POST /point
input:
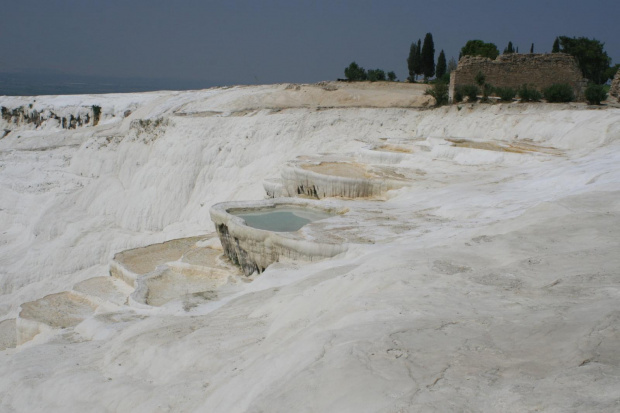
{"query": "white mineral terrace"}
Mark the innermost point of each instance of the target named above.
(255, 249)
(340, 176)
(178, 269)
(486, 280)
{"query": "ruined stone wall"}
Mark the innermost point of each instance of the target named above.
(513, 70)
(615, 86)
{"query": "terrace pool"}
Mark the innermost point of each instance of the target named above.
(280, 219)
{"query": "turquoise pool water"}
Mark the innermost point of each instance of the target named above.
(285, 219)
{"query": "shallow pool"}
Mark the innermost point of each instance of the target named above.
(285, 219)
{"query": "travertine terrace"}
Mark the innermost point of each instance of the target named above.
(487, 281)
(255, 249)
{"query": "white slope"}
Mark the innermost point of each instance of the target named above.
(490, 284)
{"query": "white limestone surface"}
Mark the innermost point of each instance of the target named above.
(489, 284)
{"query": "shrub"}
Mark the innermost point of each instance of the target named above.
(559, 93)
(458, 94)
(446, 78)
(595, 94)
(529, 95)
(440, 92)
(471, 92)
(506, 94)
(391, 76)
(96, 114)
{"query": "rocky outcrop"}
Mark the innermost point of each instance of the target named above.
(27, 115)
(615, 86)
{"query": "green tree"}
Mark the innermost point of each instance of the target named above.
(532, 48)
(486, 88)
(593, 60)
(428, 56)
(391, 76)
(509, 48)
(556, 46)
(418, 59)
(480, 48)
(355, 72)
(375, 75)
(411, 62)
(442, 66)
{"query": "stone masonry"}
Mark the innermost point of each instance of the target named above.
(615, 86)
(514, 70)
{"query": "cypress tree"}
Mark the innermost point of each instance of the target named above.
(556, 46)
(411, 62)
(532, 48)
(441, 65)
(509, 48)
(417, 63)
(428, 56)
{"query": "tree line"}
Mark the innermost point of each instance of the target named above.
(355, 72)
(593, 60)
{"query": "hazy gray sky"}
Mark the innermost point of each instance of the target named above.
(245, 41)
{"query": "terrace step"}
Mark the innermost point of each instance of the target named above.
(8, 334)
(52, 312)
(184, 268)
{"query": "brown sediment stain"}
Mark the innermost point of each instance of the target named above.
(519, 147)
(394, 148)
(201, 114)
(354, 170)
(344, 169)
